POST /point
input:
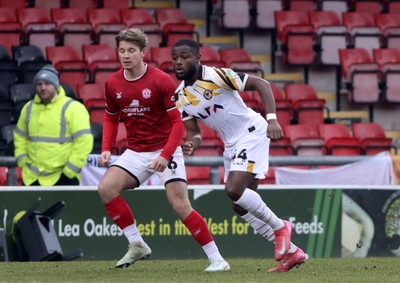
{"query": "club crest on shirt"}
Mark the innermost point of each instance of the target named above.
(146, 93)
(207, 94)
(134, 103)
(119, 95)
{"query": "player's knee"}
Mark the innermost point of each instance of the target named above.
(106, 191)
(233, 192)
(181, 207)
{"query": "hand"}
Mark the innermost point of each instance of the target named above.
(274, 131)
(104, 158)
(159, 164)
(187, 148)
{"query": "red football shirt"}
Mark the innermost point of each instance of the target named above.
(142, 104)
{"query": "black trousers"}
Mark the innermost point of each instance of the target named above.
(63, 181)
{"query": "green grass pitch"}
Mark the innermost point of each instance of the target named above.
(243, 270)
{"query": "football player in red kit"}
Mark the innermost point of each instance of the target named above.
(142, 96)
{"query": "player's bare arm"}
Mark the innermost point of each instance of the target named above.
(263, 88)
(193, 137)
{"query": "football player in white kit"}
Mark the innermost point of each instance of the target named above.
(210, 95)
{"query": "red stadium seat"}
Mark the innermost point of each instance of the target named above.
(142, 18)
(367, 6)
(305, 139)
(284, 110)
(162, 57)
(173, 32)
(3, 175)
(96, 108)
(388, 60)
(295, 92)
(13, 5)
(281, 147)
(331, 35)
(38, 27)
(297, 37)
(67, 61)
(363, 30)
(137, 16)
(210, 57)
(73, 27)
(48, 5)
(106, 23)
(210, 137)
(11, 34)
(361, 75)
(309, 109)
(211, 144)
(7, 15)
(338, 139)
(393, 6)
(238, 59)
(174, 25)
(198, 175)
(87, 92)
(165, 16)
(120, 4)
(82, 5)
(102, 61)
(372, 137)
(390, 28)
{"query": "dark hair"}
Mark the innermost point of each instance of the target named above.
(194, 45)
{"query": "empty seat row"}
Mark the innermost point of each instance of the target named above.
(100, 60)
(71, 26)
(333, 139)
(307, 38)
(370, 6)
(370, 79)
(243, 14)
(80, 4)
(295, 103)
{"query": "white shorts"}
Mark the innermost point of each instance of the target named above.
(137, 164)
(249, 154)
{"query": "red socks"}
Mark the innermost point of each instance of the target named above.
(198, 227)
(122, 215)
(120, 212)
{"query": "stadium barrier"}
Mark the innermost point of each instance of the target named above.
(328, 221)
(215, 161)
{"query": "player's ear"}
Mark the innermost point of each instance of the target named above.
(143, 52)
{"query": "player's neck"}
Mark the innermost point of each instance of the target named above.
(135, 73)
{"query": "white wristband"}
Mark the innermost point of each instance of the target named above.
(271, 116)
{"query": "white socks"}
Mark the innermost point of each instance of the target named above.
(253, 203)
(261, 227)
(131, 232)
(212, 252)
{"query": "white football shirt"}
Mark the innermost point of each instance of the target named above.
(214, 99)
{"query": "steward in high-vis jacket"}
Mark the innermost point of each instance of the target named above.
(52, 138)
